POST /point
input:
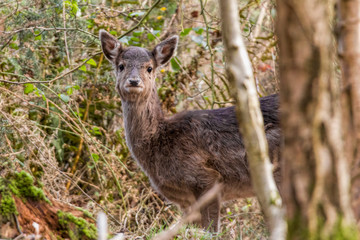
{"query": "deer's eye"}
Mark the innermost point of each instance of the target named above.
(121, 67)
(149, 69)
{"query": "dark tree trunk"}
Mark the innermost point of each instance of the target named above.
(316, 183)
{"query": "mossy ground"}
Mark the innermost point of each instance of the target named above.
(76, 227)
(7, 203)
(22, 185)
(20, 196)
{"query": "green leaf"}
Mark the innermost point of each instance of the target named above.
(38, 37)
(137, 33)
(14, 46)
(174, 65)
(198, 30)
(151, 37)
(67, 3)
(91, 23)
(135, 39)
(29, 88)
(91, 62)
(185, 32)
(69, 91)
(64, 97)
(95, 131)
(38, 34)
(113, 32)
(83, 68)
(75, 9)
(95, 157)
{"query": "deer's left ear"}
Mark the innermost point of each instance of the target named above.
(165, 50)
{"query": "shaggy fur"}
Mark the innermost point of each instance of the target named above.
(186, 154)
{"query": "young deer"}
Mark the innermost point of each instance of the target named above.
(183, 155)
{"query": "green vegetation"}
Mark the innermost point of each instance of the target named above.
(22, 185)
(76, 227)
(86, 212)
(7, 204)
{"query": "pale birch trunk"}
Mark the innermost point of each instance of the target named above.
(241, 78)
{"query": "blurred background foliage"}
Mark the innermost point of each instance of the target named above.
(61, 119)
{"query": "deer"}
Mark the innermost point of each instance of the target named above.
(184, 155)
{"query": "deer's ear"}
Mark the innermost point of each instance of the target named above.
(165, 50)
(110, 45)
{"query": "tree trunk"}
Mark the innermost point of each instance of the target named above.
(241, 78)
(316, 183)
(349, 54)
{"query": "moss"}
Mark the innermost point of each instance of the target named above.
(86, 212)
(7, 203)
(76, 227)
(22, 185)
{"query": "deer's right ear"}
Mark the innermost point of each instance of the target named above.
(110, 45)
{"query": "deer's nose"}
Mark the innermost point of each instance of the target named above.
(134, 82)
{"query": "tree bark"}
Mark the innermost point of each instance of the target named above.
(349, 54)
(316, 183)
(241, 78)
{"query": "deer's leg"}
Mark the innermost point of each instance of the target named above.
(210, 215)
(196, 220)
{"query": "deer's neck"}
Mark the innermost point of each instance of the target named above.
(141, 120)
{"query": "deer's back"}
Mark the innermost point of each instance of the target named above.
(192, 150)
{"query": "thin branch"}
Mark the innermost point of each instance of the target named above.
(49, 29)
(31, 80)
(260, 20)
(211, 53)
(65, 39)
(142, 19)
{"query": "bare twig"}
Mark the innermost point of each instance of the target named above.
(211, 53)
(142, 19)
(168, 28)
(65, 39)
(31, 80)
(260, 20)
(49, 29)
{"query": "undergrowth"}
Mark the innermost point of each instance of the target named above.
(61, 123)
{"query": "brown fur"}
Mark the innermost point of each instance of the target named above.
(186, 154)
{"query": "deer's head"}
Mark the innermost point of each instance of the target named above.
(135, 67)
